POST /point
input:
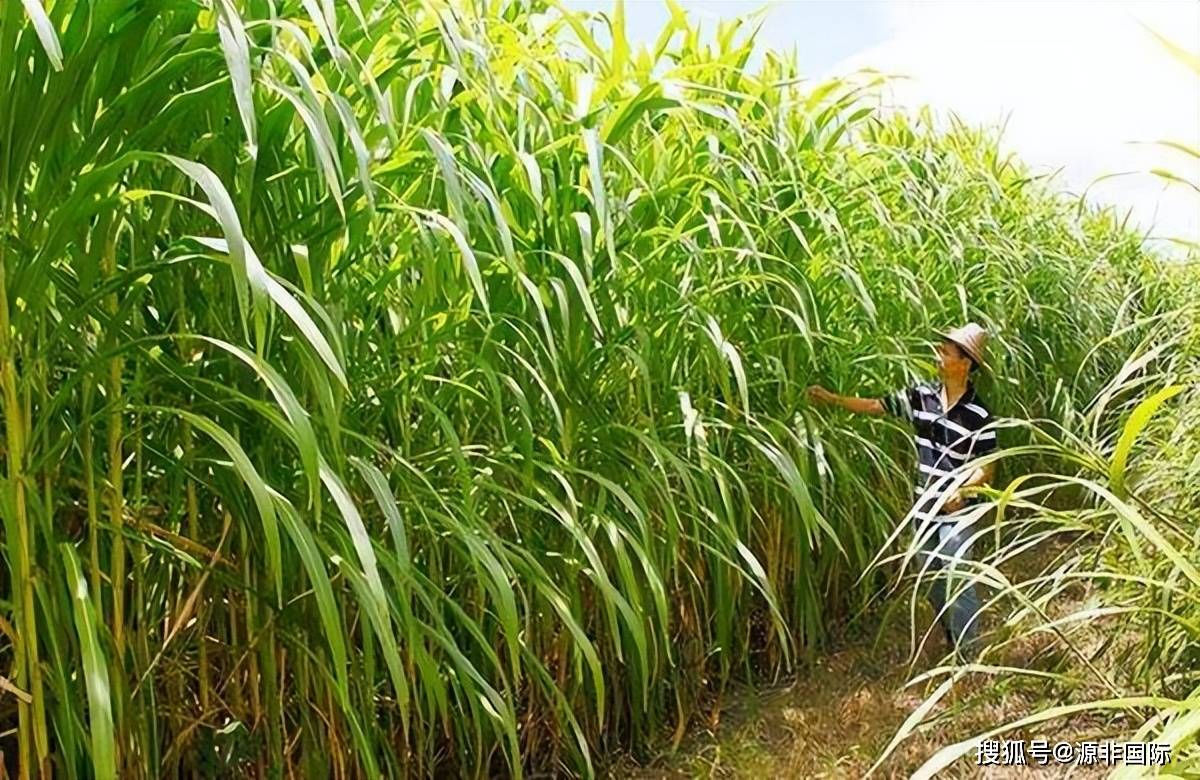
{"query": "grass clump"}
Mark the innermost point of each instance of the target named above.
(409, 390)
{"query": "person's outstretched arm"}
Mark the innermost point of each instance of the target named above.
(872, 406)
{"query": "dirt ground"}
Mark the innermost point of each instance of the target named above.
(835, 719)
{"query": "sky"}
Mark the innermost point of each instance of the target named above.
(1080, 86)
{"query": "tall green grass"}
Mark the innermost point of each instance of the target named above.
(417, 389)
(1115, 498)
(1113, 608)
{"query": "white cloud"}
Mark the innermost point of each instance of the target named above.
(1080, 83)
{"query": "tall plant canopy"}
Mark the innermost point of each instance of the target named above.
(409, 388)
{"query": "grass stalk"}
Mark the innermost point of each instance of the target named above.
(31, 724)
(115, 389)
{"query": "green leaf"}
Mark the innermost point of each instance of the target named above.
(265, 283)
(445, 162)
(1138, 419)
(318, 578)
(95, 669)
(259, 490)
(223, 210)
(306, 439)
(236, 48)
(45, 31)
(470, 264)
(622, 121)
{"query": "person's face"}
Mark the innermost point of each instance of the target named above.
(952, 360)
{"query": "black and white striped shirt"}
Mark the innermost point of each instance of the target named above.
(945, 440)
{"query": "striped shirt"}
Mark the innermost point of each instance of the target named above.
(945, 440)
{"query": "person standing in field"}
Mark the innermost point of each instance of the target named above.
(949, 422)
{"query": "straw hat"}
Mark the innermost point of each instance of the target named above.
(972, 338)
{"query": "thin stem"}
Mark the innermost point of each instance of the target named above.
(31, 717)
(193, 523)
(87, 447)
(115, 463)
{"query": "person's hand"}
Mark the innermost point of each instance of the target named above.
(954, 502)
(819, 395)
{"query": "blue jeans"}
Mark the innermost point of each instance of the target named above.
(944, 546)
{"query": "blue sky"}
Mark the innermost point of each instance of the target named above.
(1080, 86)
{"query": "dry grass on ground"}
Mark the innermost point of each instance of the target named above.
(837, 717)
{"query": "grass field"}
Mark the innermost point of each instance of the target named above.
(418, 389)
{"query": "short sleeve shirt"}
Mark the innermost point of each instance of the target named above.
(946, 440)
